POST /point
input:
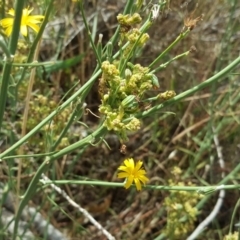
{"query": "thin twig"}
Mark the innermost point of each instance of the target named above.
(82, 210)
(25, 117)
(221, 196)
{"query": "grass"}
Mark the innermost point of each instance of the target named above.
(189, 143)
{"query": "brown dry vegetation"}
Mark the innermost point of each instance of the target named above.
(166, 140)
(132, 215)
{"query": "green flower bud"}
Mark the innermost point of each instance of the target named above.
(109, 50)
(144, 39)
(155, 82)
(128, 101)
(134, 19)
(128, 73)
(129, 64)
(129, 19)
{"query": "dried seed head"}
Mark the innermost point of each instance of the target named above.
(191, 22)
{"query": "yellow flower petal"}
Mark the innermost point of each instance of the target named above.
(123, 168)
(129, 163)
(138, 184)
(133, 173)
(143, 179)
(6, 22)
(34, 27)
(8, 31)
(128, 182)
(35, 19)
(23, 30)
(26, 21)
(138, 165)
(11, 12)
(141, 172)
(122, 175)
(27, 11)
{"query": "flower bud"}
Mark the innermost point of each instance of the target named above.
(128, 101)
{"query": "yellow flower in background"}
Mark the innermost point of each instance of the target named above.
(27, 21)
(133, 173)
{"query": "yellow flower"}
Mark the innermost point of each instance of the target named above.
(133, 173)
(27, 21)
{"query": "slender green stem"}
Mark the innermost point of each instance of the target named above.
(164, 65)
(30, 191)
(2, 10)
(36, 40)
(127, 9)
(191, 91)
(16, 26)
(234, 215)
(146, 113)
(69, 123)
(89, 34)
(176, 41)
(91, 139)
(223, 181)
(82, 91)
(144, 28)
(5, 50)
(30, 155)
(8, 65)
(88, 85)
(146, 24)
(34, 64)
(41, 30)
(199, 189)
